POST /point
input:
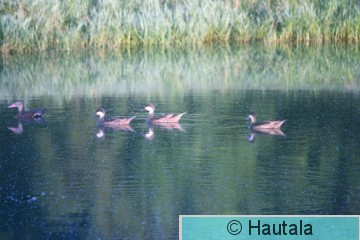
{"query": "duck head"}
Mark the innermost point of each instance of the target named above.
(100, 112)
(150, 108)
(251, 117)
(18, 104)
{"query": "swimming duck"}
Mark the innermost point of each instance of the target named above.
(165, 118)
(263, 125)
(112, 122)
(30, 114)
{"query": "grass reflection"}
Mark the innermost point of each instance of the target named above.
(168, 73)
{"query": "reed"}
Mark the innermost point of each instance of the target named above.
(28, 26)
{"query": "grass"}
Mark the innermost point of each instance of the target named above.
(68, 26)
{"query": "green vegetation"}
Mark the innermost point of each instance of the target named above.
(170, 72)
(42, 25)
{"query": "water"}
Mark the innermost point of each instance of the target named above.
(66, 178)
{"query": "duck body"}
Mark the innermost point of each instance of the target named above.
(273, 124)
(267, 125)
(112, 122)
(164, 118)
(115, 121)
(30, 114)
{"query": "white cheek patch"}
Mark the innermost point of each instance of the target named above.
(252, 118)
(149, 109)
(100, 114)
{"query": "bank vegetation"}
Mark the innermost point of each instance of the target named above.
(70, 25)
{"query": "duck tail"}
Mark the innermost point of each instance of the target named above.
(282, 122)
(130, 119)
(181, 114)
(39, 112)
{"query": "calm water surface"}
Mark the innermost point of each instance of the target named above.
(66, 178)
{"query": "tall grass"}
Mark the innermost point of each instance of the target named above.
(40, 25)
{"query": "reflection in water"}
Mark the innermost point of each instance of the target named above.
(245, 68)
(122, 127)
(19, 129)
(264, 126)
(150, 133)
(169, 126)
(114, 123)
(100, 134)
(59, 181)
(166, 126)
(275, 131)
(72, 184)
(268, 127)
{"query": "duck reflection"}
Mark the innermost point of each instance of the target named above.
(268, 127)
(275, 131)
(20, 129)
(165, 126)
(17, 130)
(125, 128)
(115, 123)
(169, 126)
(100, 134)
(150, 134)
(101, 130)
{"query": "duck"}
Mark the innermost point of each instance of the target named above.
(112, 122)
(260, 126)
(165, 118)
(30, 114)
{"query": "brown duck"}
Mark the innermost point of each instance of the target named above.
(112, 122)
(30, 114)
(165, 118)
(273, 124)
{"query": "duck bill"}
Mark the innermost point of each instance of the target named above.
(13, 105)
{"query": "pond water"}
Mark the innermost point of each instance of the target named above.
(67, 178)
